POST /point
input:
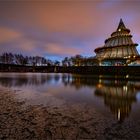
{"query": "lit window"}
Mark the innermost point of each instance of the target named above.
(119, 30)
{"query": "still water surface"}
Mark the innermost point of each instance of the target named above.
(116, 101)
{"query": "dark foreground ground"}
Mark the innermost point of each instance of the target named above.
(21, 121)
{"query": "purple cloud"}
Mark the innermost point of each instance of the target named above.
(63, 28)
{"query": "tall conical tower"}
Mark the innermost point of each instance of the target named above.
(119, 49)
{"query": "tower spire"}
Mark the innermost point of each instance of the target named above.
(121, 25)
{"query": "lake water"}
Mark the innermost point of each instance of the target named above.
(88, 107)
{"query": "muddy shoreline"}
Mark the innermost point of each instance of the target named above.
(20, 120)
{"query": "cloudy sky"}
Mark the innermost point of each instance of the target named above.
(59, 28)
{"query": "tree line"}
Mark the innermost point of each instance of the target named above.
(19, 59)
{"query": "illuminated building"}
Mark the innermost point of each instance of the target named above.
(119, 49)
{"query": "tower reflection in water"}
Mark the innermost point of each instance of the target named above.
(118, 94)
